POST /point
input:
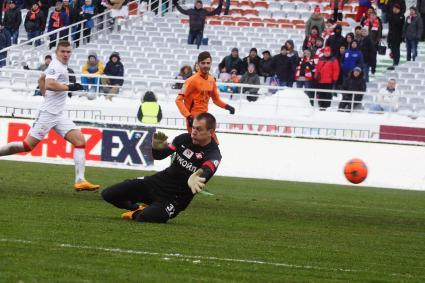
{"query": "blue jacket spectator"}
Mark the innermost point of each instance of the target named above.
(353, 57)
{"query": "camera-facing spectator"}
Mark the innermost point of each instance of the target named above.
(5, 41)
(149, 111)
(93, 66)
(317, 50)
(34, 22)
(282, 67)
(13, 20)
(353, 57)
(58, 19)
(113, 68)
(354, 82)
(252, 58)
(310, 40)
(304, 74)
(185, 73)
(387, 98)
(336, 40)
(317, 20)
(329, 29)
(294, 59)
(368, 50)
(412, 32)
(349, 37)
(231, 62)
(266, 68)
(197, 17)
(326, 76)
(250, 77)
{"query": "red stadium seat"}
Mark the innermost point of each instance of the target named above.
(257, 24)
(286, 25)
(214, 23)
(261, 4)
(250, 12)
(229, 23)
(243, 24)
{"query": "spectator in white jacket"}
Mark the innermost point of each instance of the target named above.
(387, 98)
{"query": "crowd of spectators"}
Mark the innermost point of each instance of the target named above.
(330, 59)
(39, 20)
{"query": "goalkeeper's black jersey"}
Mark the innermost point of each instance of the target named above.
(188, 158)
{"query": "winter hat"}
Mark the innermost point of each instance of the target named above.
(253, 49)
(397, 6)
(235, 49)
(338, 27)
(317, 9)
(327, 49)
(92, 54)
(357, 69)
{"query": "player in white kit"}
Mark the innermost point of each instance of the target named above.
(54, 85)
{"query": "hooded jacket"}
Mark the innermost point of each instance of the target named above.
(353, 83)
(57, 20)
(367, 47)
(395, 33)
(230, 63)
(114, 69)
(96, 68)
(12, 19)
(197, 17)
(413, 27)
(336, 40)
(34, 21)
(248, 60)
(282, 68)
(266, 68)
(327, 70)
(352, 58)
(315, 20)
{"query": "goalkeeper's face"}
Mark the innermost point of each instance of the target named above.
(200, 134)
(205, 65)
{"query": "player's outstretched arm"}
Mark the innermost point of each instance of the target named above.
(179, 8)
(217, 10)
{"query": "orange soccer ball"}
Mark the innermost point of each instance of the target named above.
(355, 171)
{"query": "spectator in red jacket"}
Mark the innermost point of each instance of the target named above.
(326, 75)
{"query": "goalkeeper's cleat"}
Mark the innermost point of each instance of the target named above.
(129, 214)
(84, 185)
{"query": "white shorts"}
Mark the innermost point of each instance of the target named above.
(46, 121)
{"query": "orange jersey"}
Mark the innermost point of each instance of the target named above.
(196, 93)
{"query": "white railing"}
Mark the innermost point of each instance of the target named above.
(134, 87)
(73, 33)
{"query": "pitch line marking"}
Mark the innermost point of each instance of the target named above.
(196, 257)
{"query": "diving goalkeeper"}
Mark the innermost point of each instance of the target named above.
(164, 195)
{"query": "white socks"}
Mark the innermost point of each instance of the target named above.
(80, 162)
(12, 148)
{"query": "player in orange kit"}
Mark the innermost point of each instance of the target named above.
(197, 90)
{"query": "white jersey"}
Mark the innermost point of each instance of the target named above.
(54, 101)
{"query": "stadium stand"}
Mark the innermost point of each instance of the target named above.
(152, 46)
